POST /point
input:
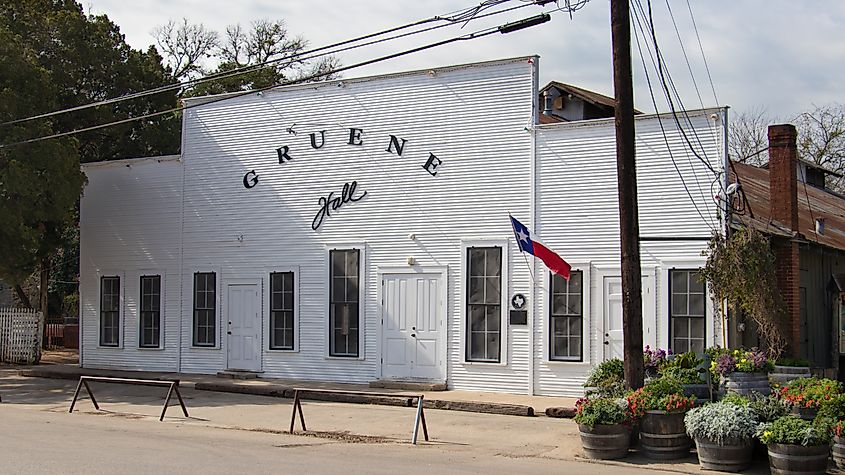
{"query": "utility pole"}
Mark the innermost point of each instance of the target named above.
(626, 177)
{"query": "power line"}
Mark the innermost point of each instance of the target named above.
(507, 28)
(703, 56)
(464, 15)
(686, 58)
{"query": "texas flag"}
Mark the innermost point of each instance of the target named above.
(553, 261)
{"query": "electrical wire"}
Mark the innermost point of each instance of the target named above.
(662, 129)
(513, 26)
(684, 52)
(463, 15)
(703, 56)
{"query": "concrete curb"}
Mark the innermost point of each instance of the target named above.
(274, 390)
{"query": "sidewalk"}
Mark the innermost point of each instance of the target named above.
(468, 401)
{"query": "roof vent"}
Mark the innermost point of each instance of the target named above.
(820, 226)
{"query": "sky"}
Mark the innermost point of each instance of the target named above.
(780, 56)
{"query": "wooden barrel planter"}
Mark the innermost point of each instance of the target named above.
(784, 374)
(745, 384)
(732, 456)
(797, 459)
(806, 413)
(605, 442)
(700, 391)
(663, 435)
(839, 452)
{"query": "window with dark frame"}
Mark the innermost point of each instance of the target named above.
(344, 297)
(281, 311)
(484, 304)
(150, 314)
(566, 318)
(205, 309)
(687, 311)
(110, 311)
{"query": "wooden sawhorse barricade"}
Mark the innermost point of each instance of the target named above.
(172, 385)
(419, 419)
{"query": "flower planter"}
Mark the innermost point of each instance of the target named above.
(784, 374)
(745, 384)
(839, 452)
(806, 413)
(663, 435)
(605, 442)
(731, 456)
(700, 391)
(797, 459)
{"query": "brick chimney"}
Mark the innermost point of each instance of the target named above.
(783, 197)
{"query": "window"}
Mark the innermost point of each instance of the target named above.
(343, 302)
(484, 304)
(150, 336)
(566, 318)
(205, 309)
(110, 311)
(281, 311)
(687, 309)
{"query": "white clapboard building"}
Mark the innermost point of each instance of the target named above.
(357, 231)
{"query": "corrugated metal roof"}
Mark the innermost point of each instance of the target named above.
(813, 204)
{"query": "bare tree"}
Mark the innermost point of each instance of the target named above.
(747, 138)
(184, 46)
(821, 139)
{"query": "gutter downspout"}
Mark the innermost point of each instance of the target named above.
(535, 119)
(727, 214)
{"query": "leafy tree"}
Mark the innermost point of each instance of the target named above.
(186, 45)
(56, 57)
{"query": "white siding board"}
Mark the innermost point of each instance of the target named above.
(579, 218)
(129, 225)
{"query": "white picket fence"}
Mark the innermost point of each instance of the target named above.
(20, 334)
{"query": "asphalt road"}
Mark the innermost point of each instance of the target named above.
(54, 442)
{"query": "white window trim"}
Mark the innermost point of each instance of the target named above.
(162, 301)
(711, 337)
(266, 308)
(120, 311)
(361, 247)
(504, 325)
(217, 306)
(585, 267)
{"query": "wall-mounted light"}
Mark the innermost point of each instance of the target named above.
(412, 237)
(411, 260)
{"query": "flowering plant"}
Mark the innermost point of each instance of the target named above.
(661, 395)
(838, 428)
(654, 359)
(721, 422)
(794, 431)
(745, 361)
(602, 411)
(810, 392)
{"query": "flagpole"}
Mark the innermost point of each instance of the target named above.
(519, 246)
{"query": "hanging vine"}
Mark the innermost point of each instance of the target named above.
(742, 271)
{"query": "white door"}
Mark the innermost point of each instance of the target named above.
(413, 327)
(244, 329)
(612, 310)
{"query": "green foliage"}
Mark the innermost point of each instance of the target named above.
(606, 374)
(810, 392)
(601, 411)
(794, 431)
(661, 394)
(767, 409)
(833, 408)
(688, 360)
(742, 270)
(682, 375)
(736, 400)
(721, 422)
(793, 362)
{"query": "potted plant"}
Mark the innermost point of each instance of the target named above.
(723, 434)
(838, 433)
(607, 379)
(806, 395)
(832, 414)
(660, 407)
(605, 426)
(687, 369)
(744, 371)
(796, 445)
(653, 360)
(787, 369)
